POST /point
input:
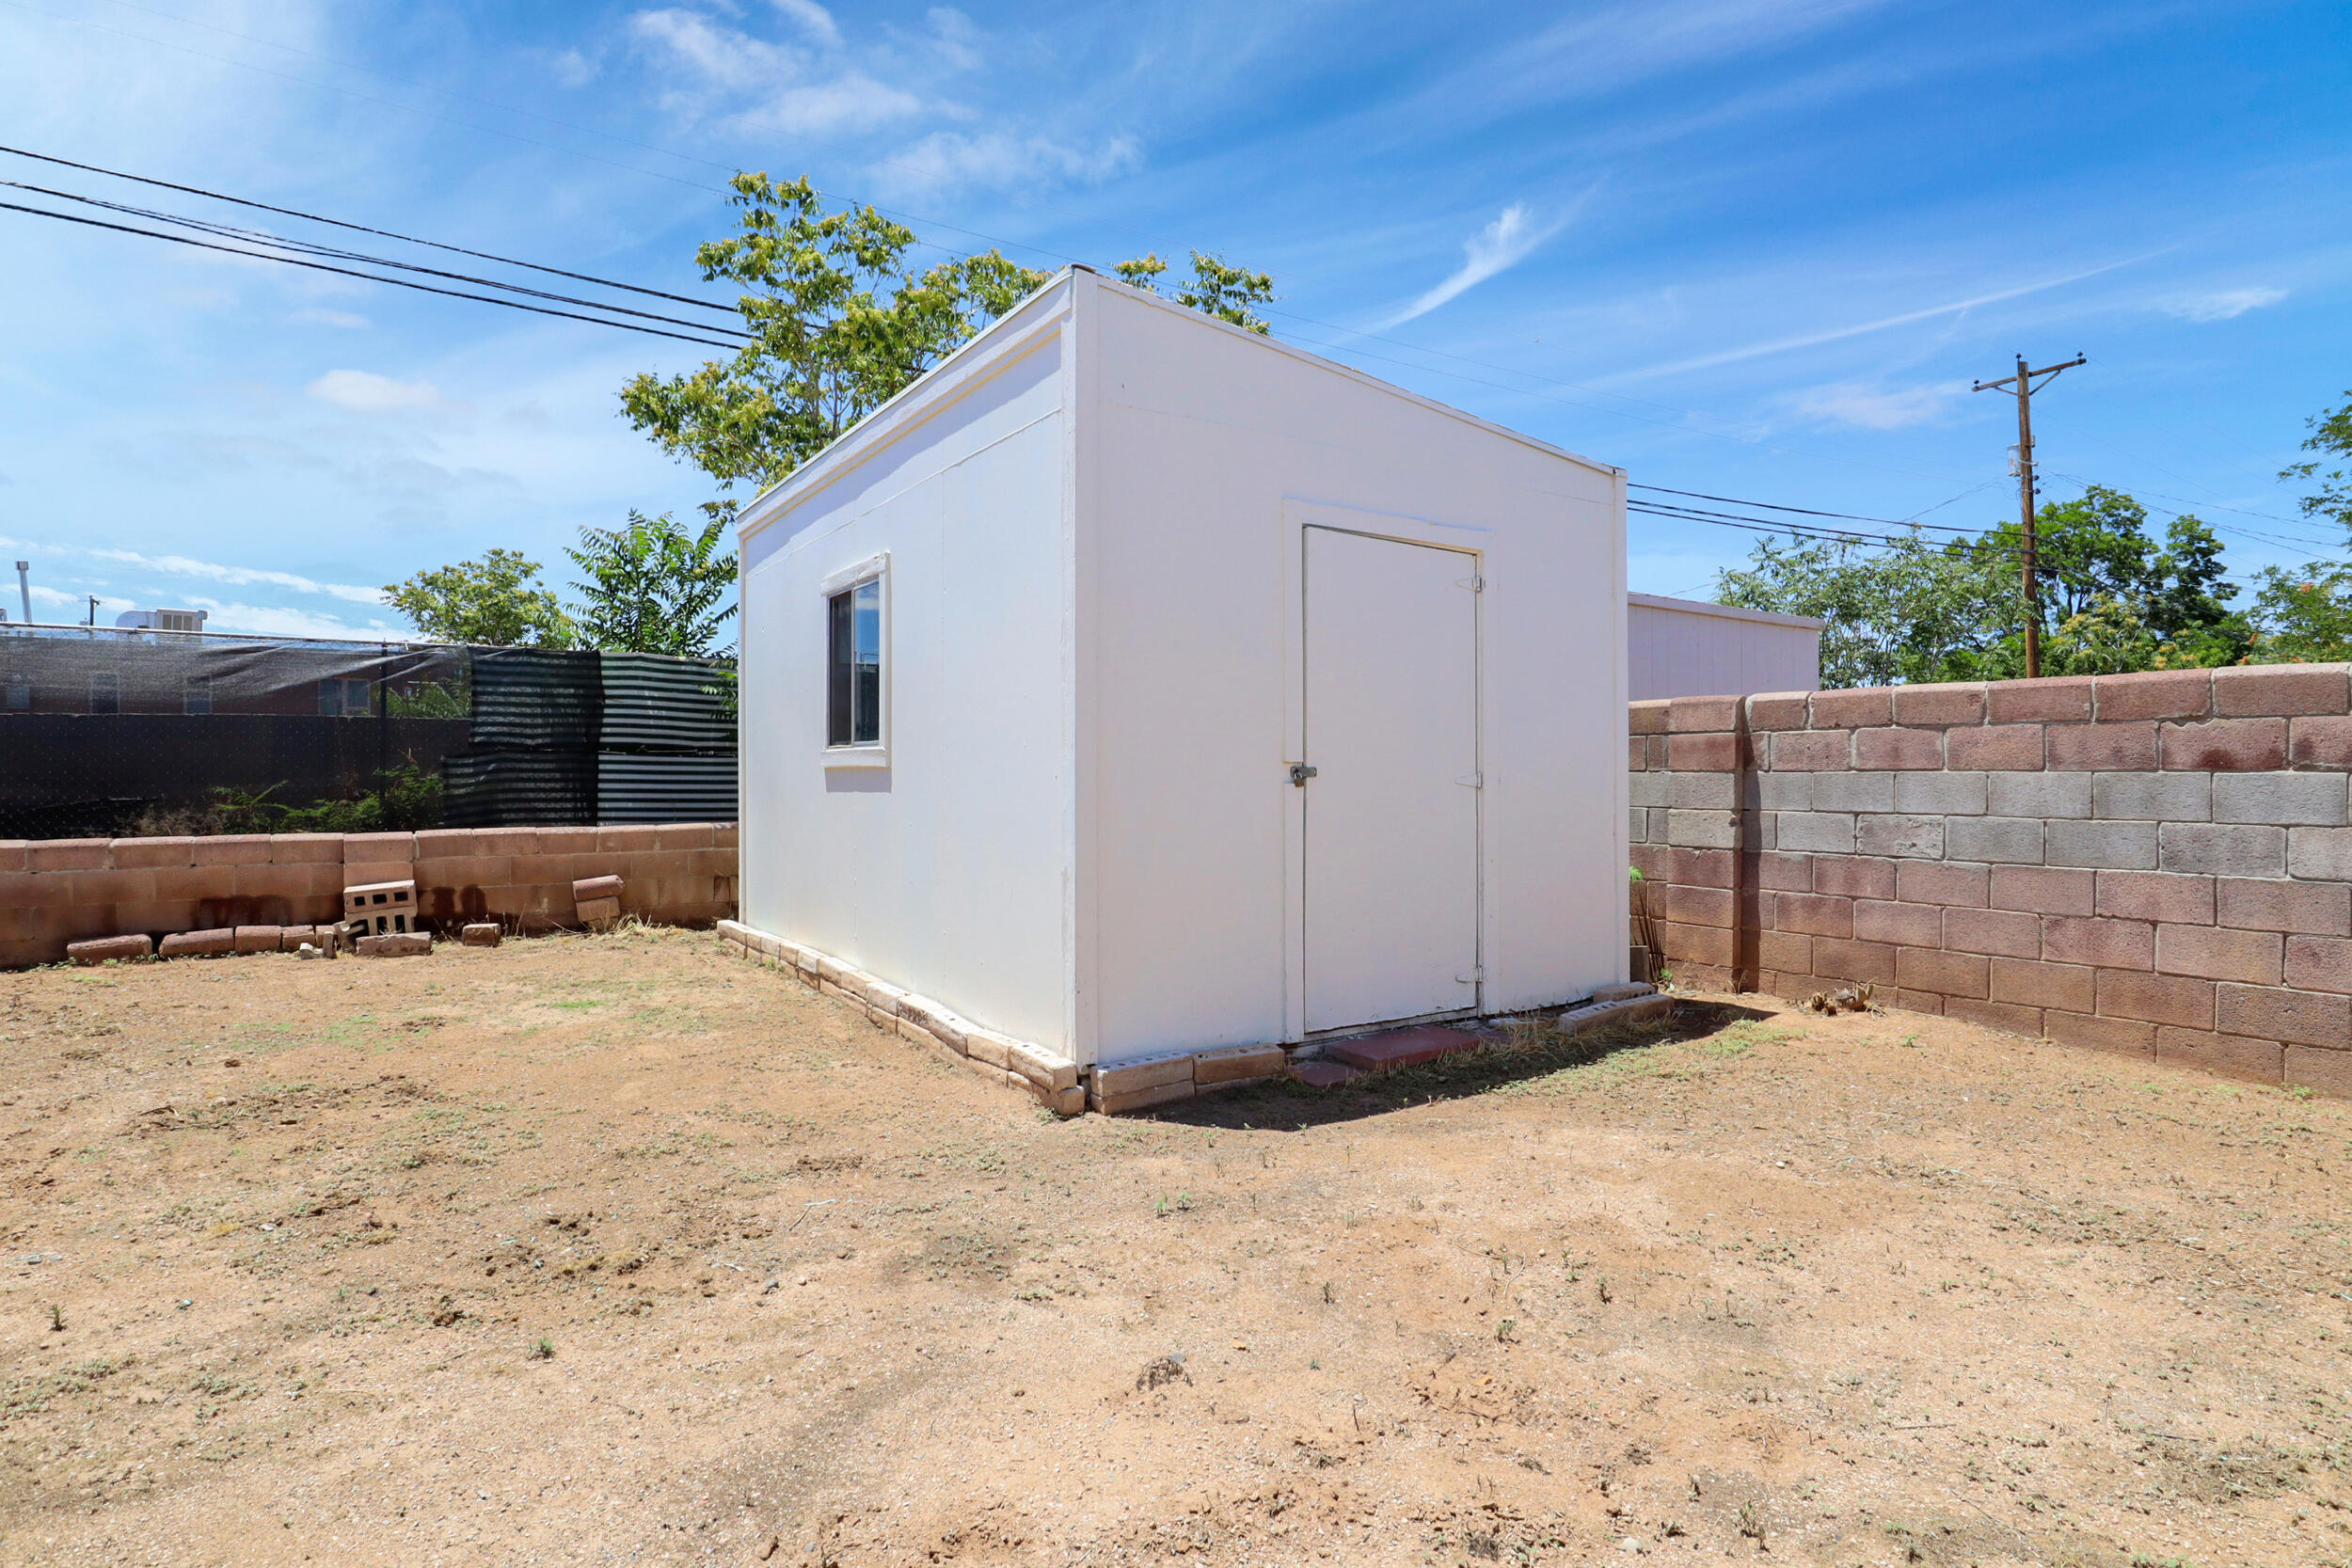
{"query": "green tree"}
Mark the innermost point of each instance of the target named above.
(2306, 616)
(1910, 612)
(1214, 288)
(497, 600)
(838, 326)
(653, 587)
(2332, 437)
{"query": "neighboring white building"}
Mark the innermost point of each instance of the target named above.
(1685, 648)
(1032, 657)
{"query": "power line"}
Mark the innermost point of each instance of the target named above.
(260, 237)
(1806, 511)
(356, 227)
(371, 277)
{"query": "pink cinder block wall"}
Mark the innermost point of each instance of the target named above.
(57, 891)
(2157, 865)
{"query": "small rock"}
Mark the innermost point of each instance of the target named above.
(481, 934)
(232, 1061)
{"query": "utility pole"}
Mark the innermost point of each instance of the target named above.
(2024, 383)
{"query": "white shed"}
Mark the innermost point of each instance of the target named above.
(1686, 648)
(1135, 687)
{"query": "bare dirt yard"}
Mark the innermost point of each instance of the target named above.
(615, 1249)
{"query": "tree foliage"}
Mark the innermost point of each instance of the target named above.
(497, 599)
(2332, 437)
(653, 587)
(839, 324)
(1214, 288)
(2112, 599)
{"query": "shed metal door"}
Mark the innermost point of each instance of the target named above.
(1392, 809)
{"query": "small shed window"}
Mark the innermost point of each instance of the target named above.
(853, 667)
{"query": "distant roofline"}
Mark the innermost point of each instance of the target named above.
(1721, 611)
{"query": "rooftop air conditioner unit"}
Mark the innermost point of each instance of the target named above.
(163, 620)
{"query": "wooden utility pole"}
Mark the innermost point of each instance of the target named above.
(2024, 381)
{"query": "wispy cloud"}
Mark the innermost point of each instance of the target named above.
(1836, 334)
(756, 85)
(2223, 305)
(365, 392)
(1501, 245)
(947, 158)
(1865, 407)
(207, 571)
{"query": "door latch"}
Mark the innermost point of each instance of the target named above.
(1476, 976)
(1302, 772)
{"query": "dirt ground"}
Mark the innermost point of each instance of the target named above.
(614, 1249)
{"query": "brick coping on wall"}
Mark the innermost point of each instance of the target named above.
(57, 891)
(2157, 864)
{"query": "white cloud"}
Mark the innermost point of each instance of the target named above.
(813, 19)
(315, 315)
(2220, 307)
(950, 158)
(755, 86)
(1502, 244)
(1834, 334)
(365, 392)
(573, 69)
(1867, 407)
(278, 621)
(207, 571)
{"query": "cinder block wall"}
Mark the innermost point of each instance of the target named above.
(57, 891)
(2159, 864)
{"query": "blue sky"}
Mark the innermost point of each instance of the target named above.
(1749, 248)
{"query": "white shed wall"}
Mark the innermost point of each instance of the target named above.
(1685, 648)
(1209, 450)
(949, 872)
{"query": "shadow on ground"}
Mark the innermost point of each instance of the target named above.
(1290, 1107)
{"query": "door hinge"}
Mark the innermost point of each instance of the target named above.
(1476, 976)
(1476, 585)
(1472, 781)
(1302, 772)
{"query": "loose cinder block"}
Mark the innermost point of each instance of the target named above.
(589, 888)
(396, 944)
(2223, 849)
(1996, 840)
(598, 913)
(2288, 800)
(257, 939)
(1054, 1073)
(1234, 1063)
(99, 950)
(2043, 795)
(1605, 1015)
(1140, 1100)
(1142, 1073)
(481, 934)
(1070, 1101)
(2104, 845)
(198, 944)
(1624, 989)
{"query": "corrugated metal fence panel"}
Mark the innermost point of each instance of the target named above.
(655, 702)
(535, 698)
(634, 787)
(518, 789)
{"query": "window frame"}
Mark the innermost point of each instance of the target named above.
(857, 754)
